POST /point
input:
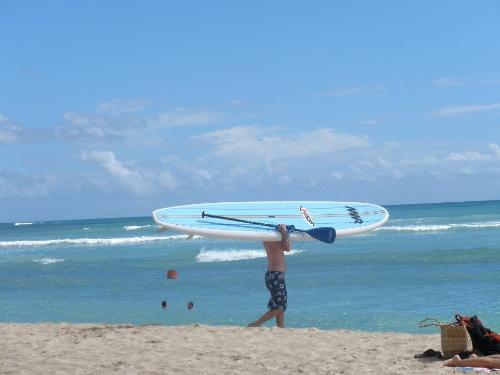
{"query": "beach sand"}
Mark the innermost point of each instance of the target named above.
(199, 349)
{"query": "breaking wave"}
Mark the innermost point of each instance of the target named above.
(439, 227)
(231, 255)
(135, 227)
(45, 261)
(93, 241)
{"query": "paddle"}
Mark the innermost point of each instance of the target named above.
(324, 234)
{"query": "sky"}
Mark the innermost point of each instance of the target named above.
(116, 108)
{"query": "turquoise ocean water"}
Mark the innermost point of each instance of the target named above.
(429, 260)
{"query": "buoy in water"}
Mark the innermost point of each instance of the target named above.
(190, 305)
(172, 274)
(163, 304)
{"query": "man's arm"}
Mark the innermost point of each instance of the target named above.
(285, 238)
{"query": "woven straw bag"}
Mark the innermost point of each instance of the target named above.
(454, 337)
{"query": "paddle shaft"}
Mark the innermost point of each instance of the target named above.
(322, 234)
(203, 214)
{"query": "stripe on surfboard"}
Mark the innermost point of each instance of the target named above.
(206, 208)
(190, 216)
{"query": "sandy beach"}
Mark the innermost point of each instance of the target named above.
(200, 349)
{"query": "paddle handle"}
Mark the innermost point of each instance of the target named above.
(430, 322)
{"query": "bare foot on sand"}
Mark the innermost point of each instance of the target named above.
(454, 361)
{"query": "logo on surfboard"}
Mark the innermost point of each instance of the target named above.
(354, 214)
(307, 217)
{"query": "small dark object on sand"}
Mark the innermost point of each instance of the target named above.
(429, 353)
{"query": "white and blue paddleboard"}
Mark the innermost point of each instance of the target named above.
(215, 219)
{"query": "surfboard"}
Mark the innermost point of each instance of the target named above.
(348, 218)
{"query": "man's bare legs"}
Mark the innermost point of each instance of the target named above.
(278, 314)
(280, 319)
(490, 361)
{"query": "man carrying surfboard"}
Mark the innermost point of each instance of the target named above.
(275, 279)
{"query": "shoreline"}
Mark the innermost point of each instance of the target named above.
(61, 348)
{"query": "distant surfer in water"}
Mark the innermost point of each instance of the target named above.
(275, 279)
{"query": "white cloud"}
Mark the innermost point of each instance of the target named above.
(139, 182)
(464, 110)
(447, 81)
(453, 163)
(107, 160)
(495, 149)
(117, 120)
(202, 174)
(356, 91)
(367, 122)
(194, 172)
(491, 79)
(430, 159)
(337, 175)
(238, 101)
(465, 171)
(475, 156)
(157, 179)
(122, 105)
(377, 166)
(239, 171)
(284, 180)
(259, 144)
(467, 156)
(94, 127)
(185, 116)
(435, 161)
(25, 185)
(116, 123)
(9, 131)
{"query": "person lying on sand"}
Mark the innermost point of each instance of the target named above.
(490, 361)
(275, 279)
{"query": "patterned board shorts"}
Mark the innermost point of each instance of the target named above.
(275, 283)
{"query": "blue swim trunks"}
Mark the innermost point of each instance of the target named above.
(275, 283)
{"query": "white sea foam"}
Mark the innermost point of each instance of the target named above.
(94, 241)
(440, 227)
(231, 255)
(19, 224)
(135, 227)
(414, 228)
(45, 261)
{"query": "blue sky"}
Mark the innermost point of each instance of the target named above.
(117, 108)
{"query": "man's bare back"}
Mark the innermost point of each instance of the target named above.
(275, 256)
(275, 251)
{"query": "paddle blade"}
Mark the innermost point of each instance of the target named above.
(323, 234)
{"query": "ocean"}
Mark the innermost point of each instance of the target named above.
(428, 260)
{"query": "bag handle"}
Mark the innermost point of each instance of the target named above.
(429, 322)
(464, 321)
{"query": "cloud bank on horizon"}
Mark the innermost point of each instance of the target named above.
(188, 109)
